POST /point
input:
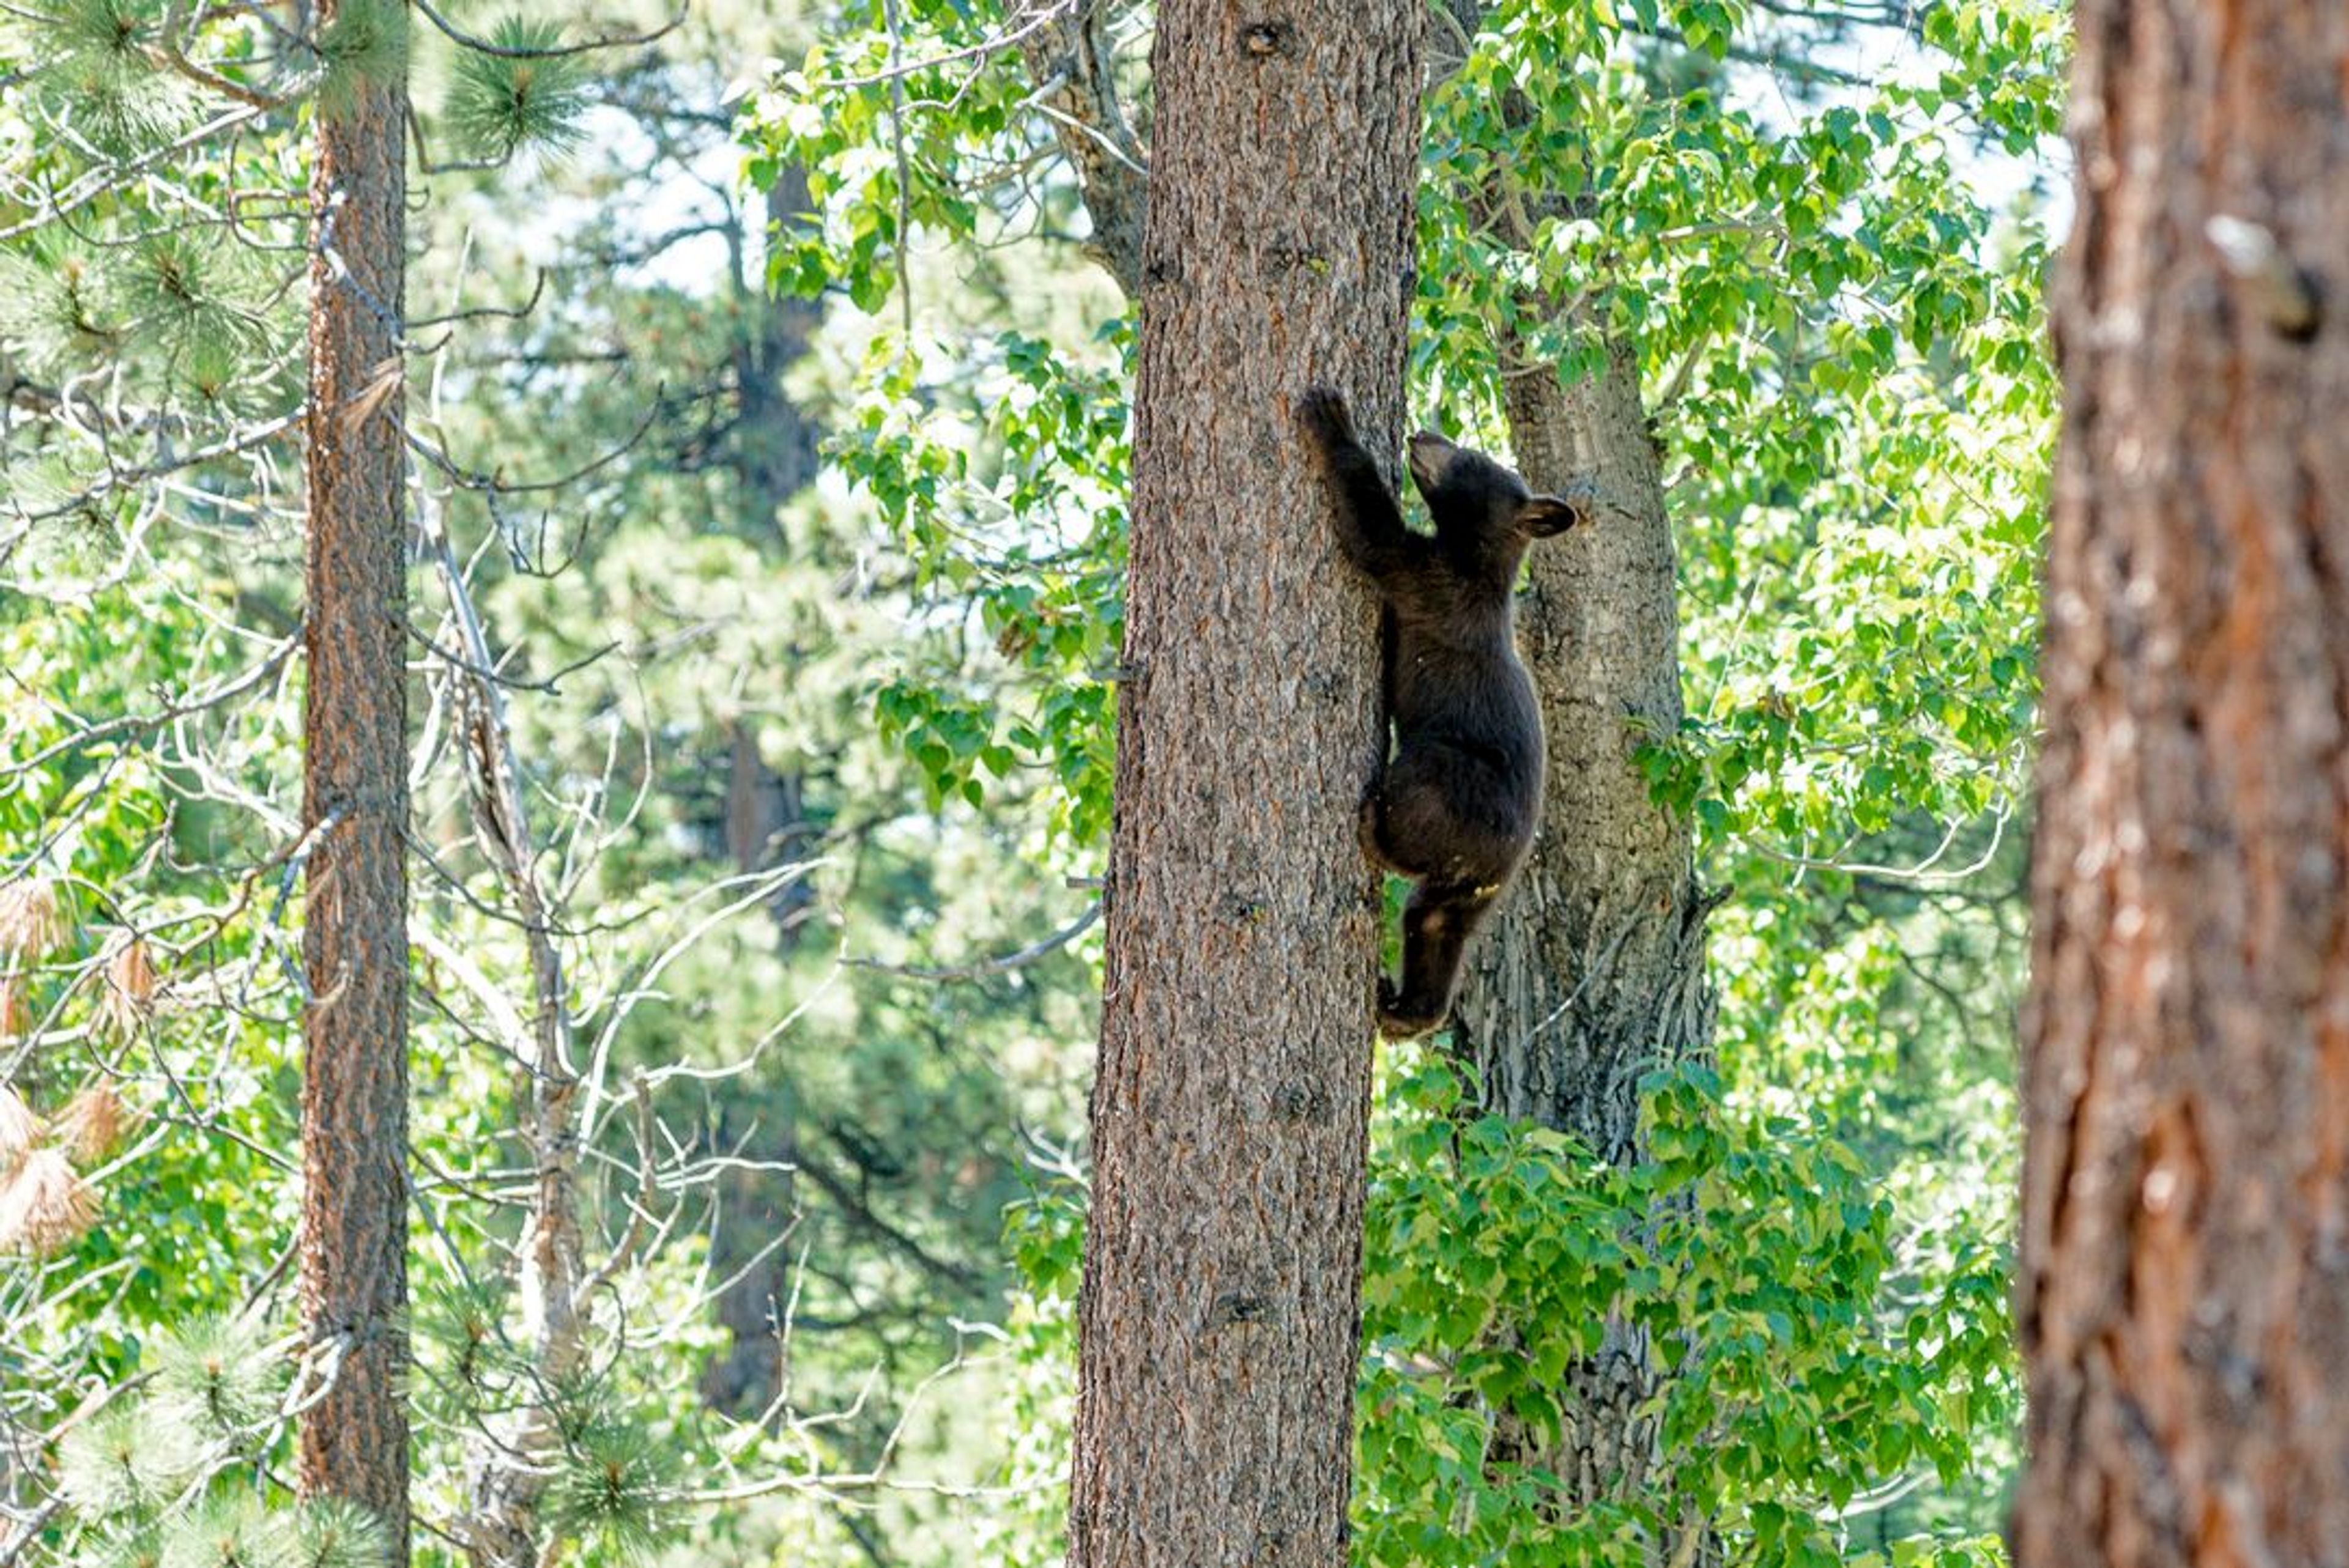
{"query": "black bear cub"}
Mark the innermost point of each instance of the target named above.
(1455, 807)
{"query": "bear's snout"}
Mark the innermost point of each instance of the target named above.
(1430, 455)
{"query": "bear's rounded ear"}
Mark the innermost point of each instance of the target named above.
(1543, 515)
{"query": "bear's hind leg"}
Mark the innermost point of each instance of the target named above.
(1436, 926)
(1369, 831)
(1412, 822)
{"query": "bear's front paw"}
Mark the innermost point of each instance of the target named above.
(1321, 411)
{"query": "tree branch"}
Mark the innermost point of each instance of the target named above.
(1069, 60)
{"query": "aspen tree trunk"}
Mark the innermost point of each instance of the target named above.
(1592, 974)
(1219, 1315)
(2184, 1298)
(354, 1223)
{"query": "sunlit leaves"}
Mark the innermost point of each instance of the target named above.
(1845, 353)
(890, 145)
(1758, 1262)
(1011, 497)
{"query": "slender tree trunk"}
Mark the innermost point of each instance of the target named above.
(354, 1224)
(1220, 1309)
(773, 457)
(774, 445)
(2185, 1246)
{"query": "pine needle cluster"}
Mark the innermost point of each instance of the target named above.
(46, 1203)
(32, 919)
(524, 97)
(215, 1376)
(462, 1352)
(137, 1546)
(331, 1533)
(230, 1530)
(608, 1485)
(166, 1478)
(608, 1492)
(46, 1206)
(365, 46)
(120, 1464)
(94, 76)
(188, 305)
(55, 314)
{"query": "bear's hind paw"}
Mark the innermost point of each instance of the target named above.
(1397, 1024)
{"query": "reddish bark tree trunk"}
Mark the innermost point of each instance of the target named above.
(2185, 1246)
(1220, 1309)
(354, 1229)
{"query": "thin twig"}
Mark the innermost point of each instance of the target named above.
(996, 966)
(480, 45)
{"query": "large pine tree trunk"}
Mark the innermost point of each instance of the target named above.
(2185, 1248)
(353, 1225)
(1219, 1314)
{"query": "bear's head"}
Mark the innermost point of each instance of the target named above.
(1471, 497)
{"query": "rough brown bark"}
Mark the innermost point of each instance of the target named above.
(1220, 1308)
(354, 1224)
(2184, 1298)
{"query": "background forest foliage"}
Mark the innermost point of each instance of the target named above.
(769, 411)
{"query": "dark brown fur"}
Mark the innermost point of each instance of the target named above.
(1455, 806)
